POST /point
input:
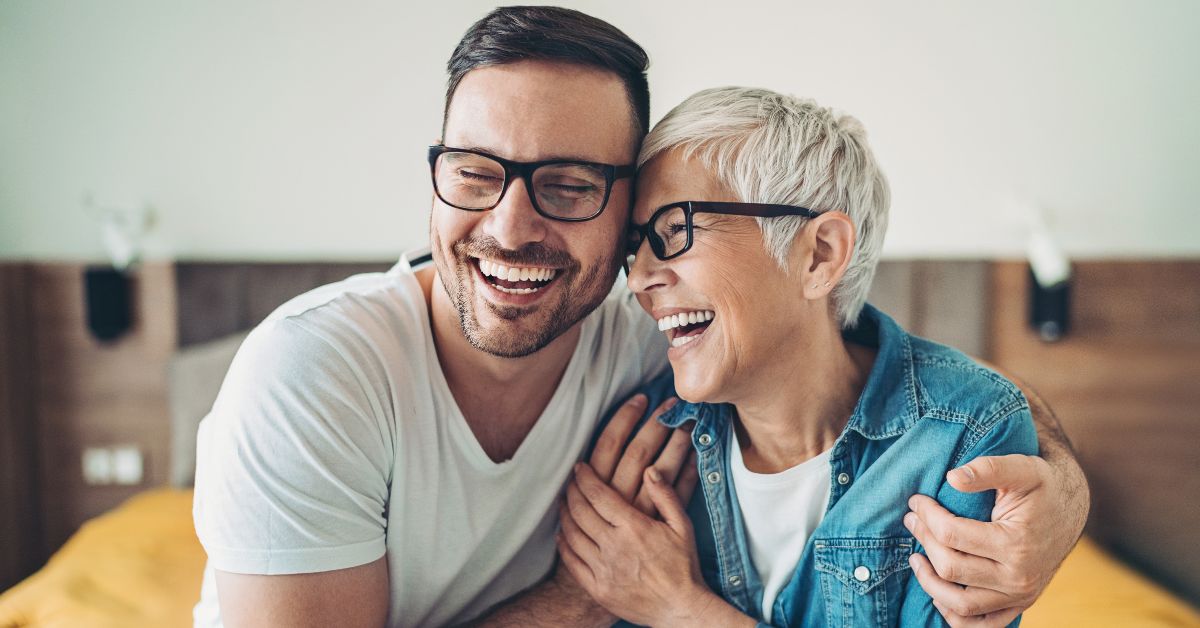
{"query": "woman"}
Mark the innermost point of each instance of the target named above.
(815, 416)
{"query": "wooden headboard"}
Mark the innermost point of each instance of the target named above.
(216, 299)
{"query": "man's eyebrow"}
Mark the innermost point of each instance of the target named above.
(553, 157)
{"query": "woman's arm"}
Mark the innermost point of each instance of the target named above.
(990, 572)
(631, 563)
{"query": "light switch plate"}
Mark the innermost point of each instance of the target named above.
(127, 465)
(97, 466)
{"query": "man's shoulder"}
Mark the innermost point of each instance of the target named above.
(362, 327)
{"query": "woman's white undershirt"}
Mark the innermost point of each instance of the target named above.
(780, 511)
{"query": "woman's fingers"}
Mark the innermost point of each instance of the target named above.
(584, 515)
(669, 464)
(574, 564)
(580, 542)
(641, 453)
(688, 479)
(668, 503)
(607, 503)
(611, 443)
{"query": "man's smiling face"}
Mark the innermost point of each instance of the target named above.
(517, 278)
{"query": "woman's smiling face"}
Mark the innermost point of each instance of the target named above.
(726, 305)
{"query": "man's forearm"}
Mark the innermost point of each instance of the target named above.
(1057, 451)
(551, 603)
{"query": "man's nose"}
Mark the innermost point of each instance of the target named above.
(514, 222)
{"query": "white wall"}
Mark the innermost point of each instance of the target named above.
(274, 130)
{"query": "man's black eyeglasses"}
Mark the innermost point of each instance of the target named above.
(669, 230)
(572, 191)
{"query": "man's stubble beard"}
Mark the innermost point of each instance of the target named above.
(578, 295)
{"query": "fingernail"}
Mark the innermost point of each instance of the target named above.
(669, 403)
(912, 502)
(914, 563)
(964, 475)
(638, 401)
(654, 475)
(910, 520)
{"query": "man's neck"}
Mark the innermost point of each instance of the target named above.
(501, 398)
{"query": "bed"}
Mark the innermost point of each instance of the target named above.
(151, 566)
(140, 564)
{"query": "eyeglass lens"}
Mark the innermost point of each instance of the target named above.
(564, 190)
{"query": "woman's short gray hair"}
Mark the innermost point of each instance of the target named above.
(774, 148)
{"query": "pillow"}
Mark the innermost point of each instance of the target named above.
(194, 377)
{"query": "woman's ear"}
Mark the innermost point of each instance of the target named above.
(826, 245)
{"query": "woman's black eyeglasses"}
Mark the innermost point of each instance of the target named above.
(572, 191)
(669, 230)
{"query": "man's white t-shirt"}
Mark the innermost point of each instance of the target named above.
(335, 440)
(780, 511)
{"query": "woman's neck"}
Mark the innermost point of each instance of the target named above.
(801, 403)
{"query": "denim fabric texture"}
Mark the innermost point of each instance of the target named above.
(926, 408)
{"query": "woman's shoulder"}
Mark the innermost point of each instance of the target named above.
(953, 386)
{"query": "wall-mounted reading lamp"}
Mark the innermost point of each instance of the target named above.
(1049, 285)
(107, 288)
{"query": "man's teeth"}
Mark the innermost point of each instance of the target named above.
(508, 273)
(685, 318)
(516, 290)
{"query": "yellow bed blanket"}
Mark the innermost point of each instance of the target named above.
(140, 565)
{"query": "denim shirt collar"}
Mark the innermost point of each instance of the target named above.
(884, 410)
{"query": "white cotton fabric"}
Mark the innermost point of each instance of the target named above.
(780, 511)
(335, 440)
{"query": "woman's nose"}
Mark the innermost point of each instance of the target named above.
(647, 272)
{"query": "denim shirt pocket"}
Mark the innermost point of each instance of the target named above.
(862, 579)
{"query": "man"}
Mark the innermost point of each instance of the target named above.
(392, 447)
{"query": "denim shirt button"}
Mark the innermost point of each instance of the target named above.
(714, 477)
(862, 574)
(843, 478)
(735, 580)
(705, 440)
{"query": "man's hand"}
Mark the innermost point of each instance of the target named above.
(987, 573)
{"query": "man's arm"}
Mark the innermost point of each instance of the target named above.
(354, 597)
(559, 601)
(291, 486)
(985, 574)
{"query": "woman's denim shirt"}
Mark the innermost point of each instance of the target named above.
(925, 409)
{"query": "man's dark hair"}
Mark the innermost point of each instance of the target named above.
(511, 34)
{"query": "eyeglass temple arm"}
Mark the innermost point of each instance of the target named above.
(758, 210)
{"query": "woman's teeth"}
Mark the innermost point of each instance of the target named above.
(679, 341)
(686, 318)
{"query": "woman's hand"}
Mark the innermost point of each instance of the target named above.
(642, 569)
